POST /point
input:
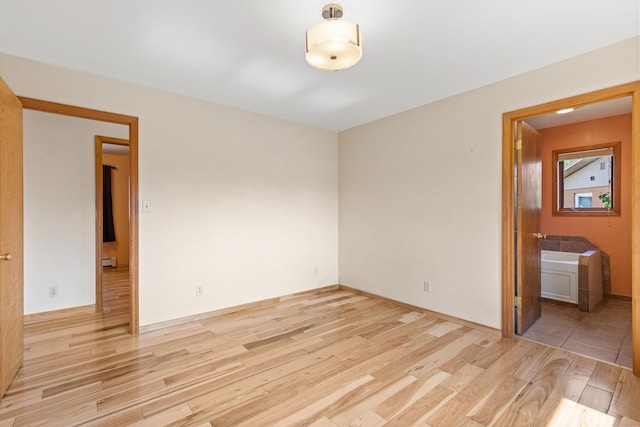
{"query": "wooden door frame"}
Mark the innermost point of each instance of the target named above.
(99, 140)
(132, 123)
(508, 199)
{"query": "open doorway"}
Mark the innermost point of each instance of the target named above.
(511, 259)
(586, 221)
(112, 225)
(131, 124)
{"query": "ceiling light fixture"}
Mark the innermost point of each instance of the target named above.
(564, 111)
(333, 45)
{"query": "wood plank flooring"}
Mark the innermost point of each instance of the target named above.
(324, 358)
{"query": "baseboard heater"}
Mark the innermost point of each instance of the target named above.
(109, 262)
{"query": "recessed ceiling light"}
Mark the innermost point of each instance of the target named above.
(564, 111)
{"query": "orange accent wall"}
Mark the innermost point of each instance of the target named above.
(120, 195)
(611, 234)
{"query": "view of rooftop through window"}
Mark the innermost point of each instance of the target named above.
(587, 178)
(587, 182)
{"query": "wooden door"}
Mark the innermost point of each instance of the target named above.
(11, 237)
(529, 200)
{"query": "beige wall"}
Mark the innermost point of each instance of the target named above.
(59, 209)
(247, 205)
(120, 199)
(242, 204)
(420, 191)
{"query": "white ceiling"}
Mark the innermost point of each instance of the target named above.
(115, 149)
(249, 54)
(598, 110)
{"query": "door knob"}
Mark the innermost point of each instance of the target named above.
(6, 257)
(540, 236)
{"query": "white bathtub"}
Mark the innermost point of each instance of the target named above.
(559, 280)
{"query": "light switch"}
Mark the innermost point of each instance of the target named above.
(146, 206)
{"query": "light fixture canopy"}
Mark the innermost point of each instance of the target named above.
(333, 44)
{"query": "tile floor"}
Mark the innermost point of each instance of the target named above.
(604, 334)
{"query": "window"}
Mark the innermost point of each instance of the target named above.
(583, 200)
(587, 180)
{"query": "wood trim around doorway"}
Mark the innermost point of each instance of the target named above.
(132, 123)
(508, 213)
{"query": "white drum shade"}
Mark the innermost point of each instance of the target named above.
(334, 45)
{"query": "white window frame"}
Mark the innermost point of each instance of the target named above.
(577, 196)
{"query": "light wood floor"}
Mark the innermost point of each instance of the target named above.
(324, 358)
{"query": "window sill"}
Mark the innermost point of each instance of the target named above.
(587, 212)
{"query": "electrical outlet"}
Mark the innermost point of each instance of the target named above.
(199, 290)
(53, 291)
(427, 286)
(315, 271)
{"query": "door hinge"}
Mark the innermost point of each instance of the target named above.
(518, 302)
(518, 144)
